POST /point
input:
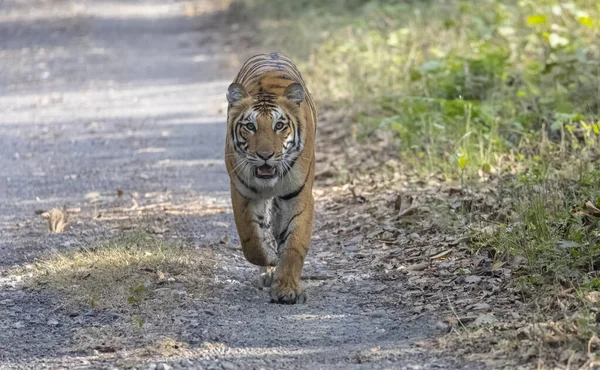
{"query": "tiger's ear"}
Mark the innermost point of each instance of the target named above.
(295, 93)
(235, 93)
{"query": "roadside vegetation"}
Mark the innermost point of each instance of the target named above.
(137, 279)
(500, 99)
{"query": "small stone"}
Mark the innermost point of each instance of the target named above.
(53, 322)
(163, 367)
(18, 325)
(378, 314)
(485, 319)
(472, 279)
(209, 312)
(179, 293)
(121, 354)
(228, 365)
(481, 306)
(440, 325)
(186, 363)
(151, 366)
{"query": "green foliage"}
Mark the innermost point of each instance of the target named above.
(553, 229)
(433, 72)
(490, 88)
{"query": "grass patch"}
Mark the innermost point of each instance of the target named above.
(124, 272)
(142, 282)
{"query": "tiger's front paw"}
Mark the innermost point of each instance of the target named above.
(287, 293)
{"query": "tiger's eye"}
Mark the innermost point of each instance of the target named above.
(279, 126)
(250, 126)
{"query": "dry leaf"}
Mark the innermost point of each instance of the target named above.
(593, 297)
(483, 319)
(441, 255)
(419, 266)
(472, 279)
(57, 219)
(592, 208)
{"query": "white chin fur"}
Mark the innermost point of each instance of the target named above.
(267, 183)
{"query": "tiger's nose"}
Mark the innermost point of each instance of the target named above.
(265, 155)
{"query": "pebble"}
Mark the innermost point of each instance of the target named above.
(179, 293)
(378, 314)
(228, 365)
(52, 322)
(186, 362)
(18, 325)
(163, 367)
(440, 325)
(481, 306)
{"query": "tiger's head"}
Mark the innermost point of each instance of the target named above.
(266, 132)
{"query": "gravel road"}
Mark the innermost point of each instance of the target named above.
(98, 96)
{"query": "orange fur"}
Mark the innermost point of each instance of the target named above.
(272, 113)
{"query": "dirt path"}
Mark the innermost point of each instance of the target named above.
(100, 96)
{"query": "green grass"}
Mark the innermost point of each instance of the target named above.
(455, 79)
(141, 280)
(500, 93)
(123, 273)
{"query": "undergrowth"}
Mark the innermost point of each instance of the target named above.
(122, 273)
(501, 92)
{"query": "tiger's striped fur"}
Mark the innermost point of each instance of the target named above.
(271, 126)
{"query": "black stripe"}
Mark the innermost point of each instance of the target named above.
(297, 192)
(282, 239)
(256, 66)
(297, 132)
(287, 169)
(239, 144)
(244, 183)
(251, 62)
(286, 233)
(276, 86)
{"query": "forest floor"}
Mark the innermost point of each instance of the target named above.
(116, 113)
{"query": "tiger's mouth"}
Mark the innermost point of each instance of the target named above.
(265, 171)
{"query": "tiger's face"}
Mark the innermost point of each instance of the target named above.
(266, 133)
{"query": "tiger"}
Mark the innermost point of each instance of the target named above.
(270, 159)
